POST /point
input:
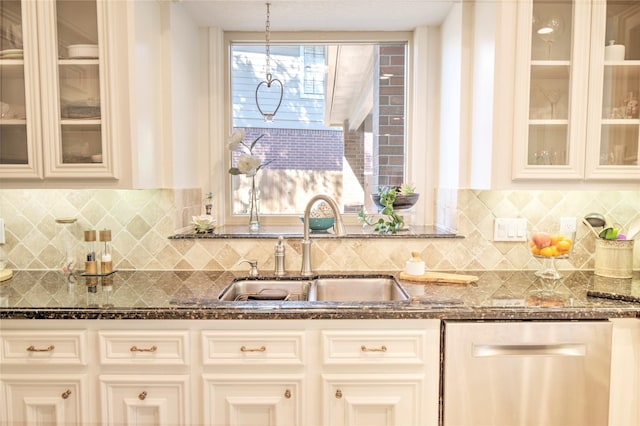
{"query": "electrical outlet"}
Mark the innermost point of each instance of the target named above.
(510, 229)
(568, 225)
(2, 241)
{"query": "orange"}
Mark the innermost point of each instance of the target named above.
(555, 238)
(535, 250)
(564, 246)
(547, 251)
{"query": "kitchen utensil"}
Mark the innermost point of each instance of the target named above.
(596, 220)
(439, 277)
(593, 231)
(634, 229)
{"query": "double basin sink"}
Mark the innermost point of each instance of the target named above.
(379, 288)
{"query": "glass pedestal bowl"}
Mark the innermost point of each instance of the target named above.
(548, 247)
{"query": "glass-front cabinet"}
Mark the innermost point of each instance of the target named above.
(55, 115)
(574, 115)
(614, 120)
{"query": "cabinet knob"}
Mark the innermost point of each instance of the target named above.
(287, 394)
(66, 394)
(142, 395)
(34, 349)
(137, 349)
(382, 348)
(260, 349)
(338, 394)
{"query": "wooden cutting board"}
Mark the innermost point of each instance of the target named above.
(439, 277)
(5, 274)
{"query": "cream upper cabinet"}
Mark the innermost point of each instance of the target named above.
(54, 68)
(613, 132)
(569, 99)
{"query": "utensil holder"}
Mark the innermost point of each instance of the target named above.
(614, 258)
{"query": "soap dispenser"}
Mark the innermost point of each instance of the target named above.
(279, 254)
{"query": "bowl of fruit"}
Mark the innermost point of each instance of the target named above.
(549, 246)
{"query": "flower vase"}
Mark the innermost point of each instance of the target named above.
(254, 215)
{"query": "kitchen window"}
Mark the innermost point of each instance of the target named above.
(346, 140)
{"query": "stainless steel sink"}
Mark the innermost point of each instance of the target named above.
(378, 288)
(358, 289)
(266, 290)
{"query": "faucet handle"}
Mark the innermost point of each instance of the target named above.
(253, 267)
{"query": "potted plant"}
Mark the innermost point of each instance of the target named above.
(391, 222)
(406, 196)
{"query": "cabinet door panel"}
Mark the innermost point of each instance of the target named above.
(145, 400)
(242, 400)
(550, 108)
(372, 400)
(613, 138)
(43, 399)
(20, 137)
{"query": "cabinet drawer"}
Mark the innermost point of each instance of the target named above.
(373, 347)
(144, 347)
(37, 347)
(247, 347)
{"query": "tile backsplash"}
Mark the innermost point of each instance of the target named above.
(141, 221)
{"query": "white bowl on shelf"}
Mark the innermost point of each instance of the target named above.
(82, 51)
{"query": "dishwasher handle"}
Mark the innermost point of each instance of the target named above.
(556, 349)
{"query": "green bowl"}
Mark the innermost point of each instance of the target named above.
(319, 223)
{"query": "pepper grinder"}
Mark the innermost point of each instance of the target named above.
(279, 254)
(106, 264)
(90, 265)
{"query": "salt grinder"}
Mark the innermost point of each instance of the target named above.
(106, 264)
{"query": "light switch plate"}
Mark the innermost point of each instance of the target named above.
(568, 225)
(510, 229)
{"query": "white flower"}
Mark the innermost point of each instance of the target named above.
(248, 164)
(238, 136)
(203, 222)
(236, 139)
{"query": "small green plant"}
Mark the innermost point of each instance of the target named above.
(390, 224)
(407, 189)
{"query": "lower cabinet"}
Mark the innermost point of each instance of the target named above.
(253, 399)
(44, 399)
(244, 373)
(141, 400)
(372, 399)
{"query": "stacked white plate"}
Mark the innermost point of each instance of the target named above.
(11, 54)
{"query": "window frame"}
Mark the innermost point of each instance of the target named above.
(303, 71)
(221, 154)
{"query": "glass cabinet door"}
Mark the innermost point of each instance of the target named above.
(20, 148)
(551, 72)
(72, 41)
(614, 120)
(74, 98)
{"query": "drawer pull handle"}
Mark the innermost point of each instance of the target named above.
(246, 349)
(137, 349)
(34, 349)
(338, 394)
(287, 394)
(142, 395)
(382, 348)
(66, 394)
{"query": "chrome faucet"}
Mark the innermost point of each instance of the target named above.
(338, 226)
(253, 267)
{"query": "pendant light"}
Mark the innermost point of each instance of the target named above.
(269, 80)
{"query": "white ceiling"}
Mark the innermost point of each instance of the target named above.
(318, 15)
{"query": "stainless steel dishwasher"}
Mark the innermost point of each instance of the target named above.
(526, 373)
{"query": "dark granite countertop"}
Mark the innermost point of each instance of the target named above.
(192, 295)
